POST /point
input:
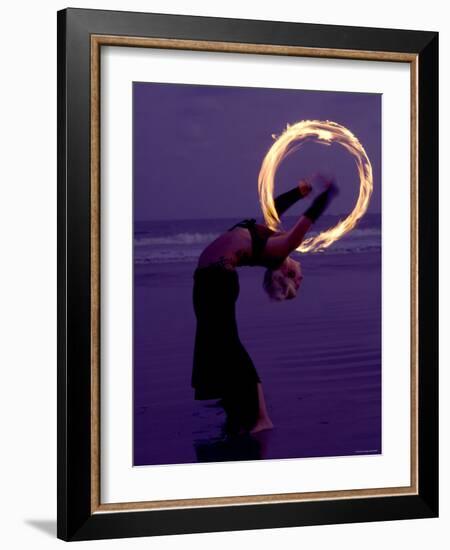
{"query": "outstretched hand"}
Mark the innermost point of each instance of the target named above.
(332, 189)
(323, 182)
(305, 187)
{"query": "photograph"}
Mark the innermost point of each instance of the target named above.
(257, 273)
(247, 273)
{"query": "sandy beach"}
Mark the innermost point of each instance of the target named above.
(318, 356)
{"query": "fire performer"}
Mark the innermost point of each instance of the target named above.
(222, 368)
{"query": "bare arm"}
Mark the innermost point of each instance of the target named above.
(282, 245)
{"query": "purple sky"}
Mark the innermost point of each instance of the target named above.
(198, 149)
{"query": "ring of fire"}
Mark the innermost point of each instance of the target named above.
(324, 132)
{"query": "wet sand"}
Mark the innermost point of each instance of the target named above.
(318, 356)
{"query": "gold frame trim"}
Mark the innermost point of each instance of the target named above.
(111, 40)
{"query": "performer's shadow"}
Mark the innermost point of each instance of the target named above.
(238, 447)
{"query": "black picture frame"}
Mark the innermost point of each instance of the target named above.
(77, 517)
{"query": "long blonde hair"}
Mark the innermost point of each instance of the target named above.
(279, 285)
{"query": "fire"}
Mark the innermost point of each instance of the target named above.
(324, 132)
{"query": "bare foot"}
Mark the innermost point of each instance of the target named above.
(263, 424)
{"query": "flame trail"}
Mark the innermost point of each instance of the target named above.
(324, 132)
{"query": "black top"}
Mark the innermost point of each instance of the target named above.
(260, 233)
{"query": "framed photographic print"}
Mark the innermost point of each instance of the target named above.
(247, 270)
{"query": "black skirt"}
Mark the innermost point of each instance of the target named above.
(221, 365)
